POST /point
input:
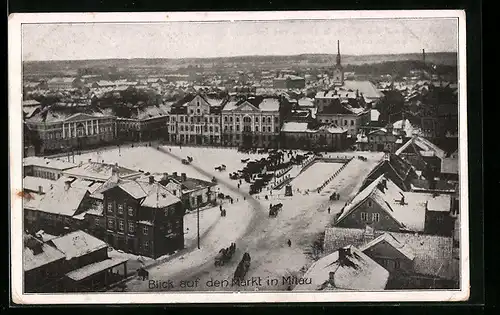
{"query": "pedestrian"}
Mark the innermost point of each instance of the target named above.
(220, 207)
(328, 210)
(244, 198)
(289, 243)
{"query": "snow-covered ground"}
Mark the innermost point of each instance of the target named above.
(208, 218)
(315, 175)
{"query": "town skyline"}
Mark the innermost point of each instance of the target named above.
(205, 40)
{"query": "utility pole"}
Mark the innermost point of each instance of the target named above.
(198, 223)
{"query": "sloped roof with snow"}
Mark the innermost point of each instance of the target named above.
(433, 255)
(360, 272)
(97, 170)
(32, 183)
(368, 89)
(410, 216)
(77, 244)
(49, 163)
(32, 260)
(62, 200)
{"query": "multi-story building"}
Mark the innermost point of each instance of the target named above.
(332, 110)
(45, 168)
(302, 135)
(61, 128)
(196, 119)
(146, 123)
(254, 122)
(142, 217)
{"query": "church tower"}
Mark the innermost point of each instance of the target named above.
(338, 71)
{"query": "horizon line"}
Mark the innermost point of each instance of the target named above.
(239, 56)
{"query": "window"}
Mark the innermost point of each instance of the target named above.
(181, 128)
(146, 245)
(375, 217)
(120, 208)
(263, 120)
(216, 120)
(211, 129)
(225, 128)
(276, 129)
(225, 119)
(130, 211)
(120, 225)
(439, 219)
(256, 128)
(237, 127)
(191, 127)
(174, 192)
(237, 119)
(268, 120)
(182, 119)
(198, 103)
(230, 128)
(230, 119)
(276, 120)
(110, 207)
(369, 203)
(145, 230)
(364, 216)
(111, 224)
(173, 119)
(169, 227)
(345, 122)
(97, 222)
(191, 111)
(352, 122)
(198, 119)
(205, 128)
(211, 119)
(131, 227)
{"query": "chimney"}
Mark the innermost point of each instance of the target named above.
(67, 185)
(151, 179)
(343, 252)
(331, 278)
(183, 177)
(40, 189)
(90, 160)
(175, 174)
(402, 202)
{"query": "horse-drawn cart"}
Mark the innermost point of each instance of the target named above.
(274, 209)
(225, 255)
(243, 267)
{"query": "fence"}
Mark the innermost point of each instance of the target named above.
(280, 181)
(307, 162)
(320, 188)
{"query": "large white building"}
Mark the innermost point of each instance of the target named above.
(252, 122)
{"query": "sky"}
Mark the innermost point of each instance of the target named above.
(238, 38)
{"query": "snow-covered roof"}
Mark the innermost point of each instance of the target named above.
(306, 102)
(94, 268)
(77, 244)
(439, 203)
(368, 89)
(32, 259)
(63, 200)
(48, 163)
(293, 126)
(269, 105)
(389, 238)
(34, 183)
(426, 147)
(433, 255)
(99, 171)
(449, 166)
(31, 102)
(410, 216)
(374, 115)
(358, 272)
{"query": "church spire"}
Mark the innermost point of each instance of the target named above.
(338, 52)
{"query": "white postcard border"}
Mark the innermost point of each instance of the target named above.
(15, 163)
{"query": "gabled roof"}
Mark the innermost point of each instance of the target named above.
(391, 240)
(433, 255)
(358, 272)
(77, 244)
(32, 259)
(62, 200)
(424, 147)
(410, 216)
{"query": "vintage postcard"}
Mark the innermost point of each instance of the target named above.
(238, 157)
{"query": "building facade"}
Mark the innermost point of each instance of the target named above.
(143, 218)
(251, 123)
(195, 120)
(298, 135)
(58, 131)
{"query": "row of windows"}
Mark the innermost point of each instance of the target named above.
(121, 226)
(249, 128)
(130, 210)
(249, 120)
(375, 217)
(346, 122)
(198, 128)
(45, 174)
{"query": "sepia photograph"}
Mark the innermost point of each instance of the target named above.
(284, 156)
